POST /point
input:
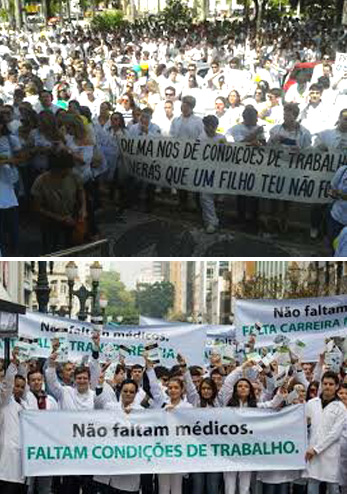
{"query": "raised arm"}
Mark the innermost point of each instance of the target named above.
(56, 389)
(157, 393)
(192, 394)
(7, 385)
(94, 365)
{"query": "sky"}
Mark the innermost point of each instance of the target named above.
(129, 269)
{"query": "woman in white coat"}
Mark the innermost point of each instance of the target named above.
(172, 483)
(326, 416)
(127, 403)
(11, 404)
(121, 483)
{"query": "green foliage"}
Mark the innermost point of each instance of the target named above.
(175, 18)
(108, 21)
(121, 301)
(323, 10)
(4, 15)
(155, 299)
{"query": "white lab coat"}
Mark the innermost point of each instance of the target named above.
(51, 403)
(124, 482)
(326, 429)
(68, 397)
(10, 444)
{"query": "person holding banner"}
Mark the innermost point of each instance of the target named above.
(37, 398)
(81, 396)
(289, 136)
(12, 402)
(127, 403)
(205, 396)
(209, 214)
(326, 416)
(172, 483)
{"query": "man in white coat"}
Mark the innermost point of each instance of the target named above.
(326, 416)
(11, 404)
(80, 397)
(37, 398)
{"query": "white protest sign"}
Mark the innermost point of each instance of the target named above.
(187, 339)
(340, 66)
(219, 168)
(217, 335)
(157, 441)
(310, 320)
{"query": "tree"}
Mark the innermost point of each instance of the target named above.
(121, 301)
(317, 281)
(155, 299)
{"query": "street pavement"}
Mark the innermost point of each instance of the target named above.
(167, 231)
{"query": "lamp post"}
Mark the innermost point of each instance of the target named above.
(42, 288)
(83, 294)
(103, 302)
(53, 302)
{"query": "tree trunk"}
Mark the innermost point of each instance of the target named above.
(205, 9)
(132, 10)
(18, 14)
(68, 10)
(259, 16)
(45, 10)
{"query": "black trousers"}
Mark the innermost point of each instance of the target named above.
(9, 487)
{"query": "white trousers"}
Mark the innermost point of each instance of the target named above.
(244, 481)
(170, 483)
(209, 215)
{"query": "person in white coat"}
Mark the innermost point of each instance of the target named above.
(127, 404)
(11, 404)
(326, 416)
(80, 397)
(172, 483)
(37, 398)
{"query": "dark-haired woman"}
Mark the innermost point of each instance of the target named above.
(235, 108)
(128, 483)
(243, 395)
(205, 396)
(172, 483)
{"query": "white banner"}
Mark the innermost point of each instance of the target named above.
(310, 320)
(157, 441)
(216, 334)
(187, 339)
(232, 169)
(340, 65)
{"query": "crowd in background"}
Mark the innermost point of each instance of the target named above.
(96, 382)
(68, 95)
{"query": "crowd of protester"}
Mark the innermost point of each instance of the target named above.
(68, 95)
(98, 383)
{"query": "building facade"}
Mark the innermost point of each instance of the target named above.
(16, 282)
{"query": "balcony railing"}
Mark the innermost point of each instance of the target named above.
(98, 248)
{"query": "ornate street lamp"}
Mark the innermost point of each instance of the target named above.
(42, 288)
(53, 302)
(83, 294)
(103, 302)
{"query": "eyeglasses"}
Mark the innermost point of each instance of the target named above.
(169, 94)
